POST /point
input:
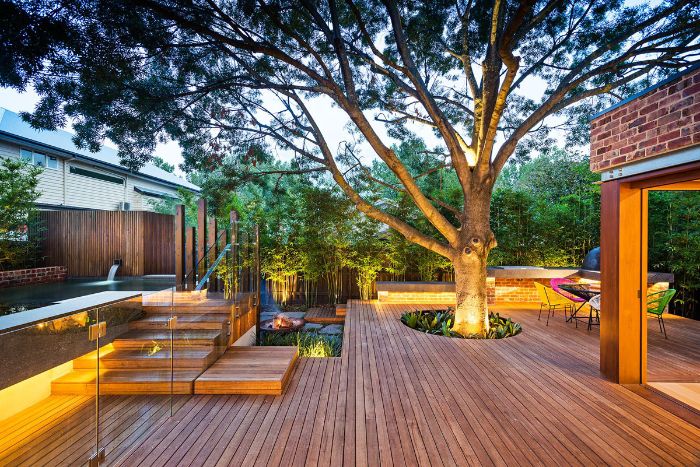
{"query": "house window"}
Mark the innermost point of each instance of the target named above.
(96, 175)
(39, 159)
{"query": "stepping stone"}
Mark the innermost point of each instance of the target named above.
(332, 329)
(312, 327)
(268, 315)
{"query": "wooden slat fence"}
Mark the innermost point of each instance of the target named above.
(88, 242)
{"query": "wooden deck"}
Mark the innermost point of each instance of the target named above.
(395, 397)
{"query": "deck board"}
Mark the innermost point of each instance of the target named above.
(396, 397)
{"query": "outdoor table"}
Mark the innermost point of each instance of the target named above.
(584, 291)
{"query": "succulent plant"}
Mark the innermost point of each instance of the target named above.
(440, 322)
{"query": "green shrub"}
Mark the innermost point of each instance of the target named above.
(310, 344)
(20, 229)
(440, 322)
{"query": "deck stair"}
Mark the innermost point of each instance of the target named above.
(145, 339)
(155, 321)
(138, 360)
(123, 359)
(185, 302)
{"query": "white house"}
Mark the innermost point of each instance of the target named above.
(76, 178)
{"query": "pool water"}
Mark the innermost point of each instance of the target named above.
(17, 299)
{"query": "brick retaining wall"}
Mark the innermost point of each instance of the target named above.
(516, 290)
(499, 290)
(32, 276)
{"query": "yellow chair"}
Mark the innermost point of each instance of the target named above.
(552, 300)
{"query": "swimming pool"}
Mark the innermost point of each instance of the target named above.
(17, 299)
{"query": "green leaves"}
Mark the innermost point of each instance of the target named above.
(441, 322)
(310, 344)
(546, 212)
(18, 224)
(674, 243)
(502, 327)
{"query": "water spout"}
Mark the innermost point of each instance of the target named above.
(112, 272)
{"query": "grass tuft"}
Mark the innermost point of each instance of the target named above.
(310, 344)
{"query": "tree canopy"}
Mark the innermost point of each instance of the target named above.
(222, 78)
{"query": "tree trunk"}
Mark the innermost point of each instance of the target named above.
(477, 240)
(471, 313)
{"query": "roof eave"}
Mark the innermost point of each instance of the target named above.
(96, 162)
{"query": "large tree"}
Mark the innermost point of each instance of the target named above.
(487, 76)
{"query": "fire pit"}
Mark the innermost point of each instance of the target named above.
(282, 323)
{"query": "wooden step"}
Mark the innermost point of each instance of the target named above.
(146, 339)
(180, 309)
(341, 309)
(323, 316)
(202, 321)
(82, 382)
(187, 358)
(249, 370)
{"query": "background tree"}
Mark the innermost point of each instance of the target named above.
(20, 230)
(674, 244)
(162, 164)
(220, 77)
(546, 211)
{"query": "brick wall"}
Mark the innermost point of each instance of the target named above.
(32, 276)
(499, 290)
(663, 120)
(437, 298)
(517, 290)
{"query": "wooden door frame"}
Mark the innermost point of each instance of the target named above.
(624, 266)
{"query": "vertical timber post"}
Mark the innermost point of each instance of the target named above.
(190, 257)
(623, 255)
(201, 237)
(258, 305)
(211, 257)
(180, 261)
(236, 319)
(220, 245)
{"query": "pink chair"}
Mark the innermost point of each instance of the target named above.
(555, 283)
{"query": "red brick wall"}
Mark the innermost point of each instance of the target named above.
(663, 120)
(499, 290)
(32, 276)
(437, 298)
(517, 290)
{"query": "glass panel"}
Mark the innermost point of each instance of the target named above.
(25, 155)
(134, 366)
(52, 163)
(47, 387)
(39, 159)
